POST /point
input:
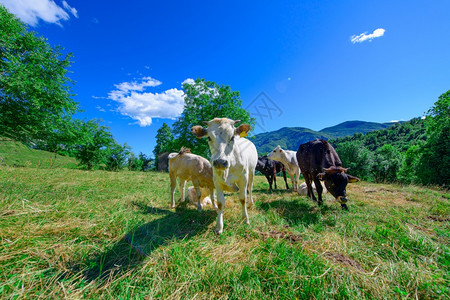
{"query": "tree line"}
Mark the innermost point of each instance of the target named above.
(37, 106)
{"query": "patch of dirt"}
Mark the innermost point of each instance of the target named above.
(343, 260)
(275, 234)
(439, 218)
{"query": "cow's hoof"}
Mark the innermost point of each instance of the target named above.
(344, 207)
(320, 203)
(218, 232)
(199, 208)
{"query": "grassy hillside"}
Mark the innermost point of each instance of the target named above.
(14, 153)
(78, 234)
(352, 127)
(400, 135)
(287, 137)
(292, 137)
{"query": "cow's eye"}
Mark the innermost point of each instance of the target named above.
(209, 139)
(232, 139)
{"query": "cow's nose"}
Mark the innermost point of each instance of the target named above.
(342, 199)
(220, 163)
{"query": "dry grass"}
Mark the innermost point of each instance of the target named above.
(77, 234)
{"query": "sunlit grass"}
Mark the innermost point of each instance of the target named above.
(97, 234)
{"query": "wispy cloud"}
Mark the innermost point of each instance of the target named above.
(142, 106)
(31, 11)
(367, 37)
(72, 10)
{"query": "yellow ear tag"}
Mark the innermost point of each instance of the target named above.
(243, 134)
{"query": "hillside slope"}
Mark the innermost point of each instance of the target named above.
(292, 137)
(287, 137)
(352, 127)
(16, 154)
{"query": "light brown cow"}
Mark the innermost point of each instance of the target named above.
(187, 166)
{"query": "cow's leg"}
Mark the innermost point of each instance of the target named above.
(269, 180)
(294, 187)
(221, 206)
(308, 181)
(213, 201)
(285, 180)
(173, 184)
(250, 189)
(319, 190)
(182, 189)
(243, 185)
(274, 176)
(198, 193)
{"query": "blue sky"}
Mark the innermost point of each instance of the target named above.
(130, 58)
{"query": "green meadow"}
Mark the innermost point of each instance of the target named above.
(68, 233)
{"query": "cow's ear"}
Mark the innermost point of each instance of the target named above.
(242, 130)
(199, 131)
(352, 179)
(321, 176)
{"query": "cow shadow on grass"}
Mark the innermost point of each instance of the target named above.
(267, 191)
(137, 244)
(295, 212)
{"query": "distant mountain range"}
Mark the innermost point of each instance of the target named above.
(291, 137)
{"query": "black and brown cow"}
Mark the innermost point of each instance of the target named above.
(318, 160)
(270, 168)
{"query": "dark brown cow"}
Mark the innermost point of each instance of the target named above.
(318, 160)
(270, 168)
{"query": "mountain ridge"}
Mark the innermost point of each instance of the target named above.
(292, 137)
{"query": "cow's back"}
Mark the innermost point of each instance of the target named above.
(191, 166)
(315, 155)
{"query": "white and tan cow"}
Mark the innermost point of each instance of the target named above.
(289, 160)
(233, 159)
(187, 166)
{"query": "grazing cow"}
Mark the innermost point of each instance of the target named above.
(187, 166)
(204, 198)
(289, 160)
(319, 161)
(270, 168)
(233, 159)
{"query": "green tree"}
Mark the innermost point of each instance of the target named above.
(387, 163)
(408, 170)
(92, 144)
(35, 92)
(205, 100)
(434, 165)
(358, 158)
(164, 141)
(116, 156)
(146, 162)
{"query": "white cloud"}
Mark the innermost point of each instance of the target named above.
(188, 81)
(143, 106)
(31, 11)
(72, 10)
(125, 88)
(367, 37)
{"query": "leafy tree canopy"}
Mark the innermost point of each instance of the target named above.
(205, 100)
(35, 92)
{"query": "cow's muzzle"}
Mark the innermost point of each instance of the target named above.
(341, 199)
(220, 163)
